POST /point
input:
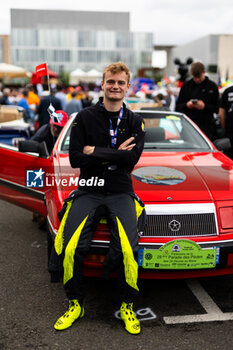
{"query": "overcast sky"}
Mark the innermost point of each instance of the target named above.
(172, 22)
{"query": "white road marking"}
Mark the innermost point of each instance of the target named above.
(203, 297)
(213, 311)
(145, 314)
(199, 318)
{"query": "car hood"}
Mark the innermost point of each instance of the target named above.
(173, 176)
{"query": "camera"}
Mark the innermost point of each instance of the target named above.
(194, 100)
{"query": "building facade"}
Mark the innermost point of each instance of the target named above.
(68, 40)
(215, 51)
(5, 49)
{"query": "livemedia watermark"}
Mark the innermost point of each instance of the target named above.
(40, 178)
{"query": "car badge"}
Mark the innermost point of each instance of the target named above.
(174, 225)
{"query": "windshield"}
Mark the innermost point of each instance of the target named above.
(164, 131)
(171, 131)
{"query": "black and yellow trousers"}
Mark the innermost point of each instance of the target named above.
(74, 237)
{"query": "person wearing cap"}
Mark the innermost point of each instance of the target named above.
(106, 142)
(50, 132)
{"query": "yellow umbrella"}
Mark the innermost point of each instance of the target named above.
(10, 71)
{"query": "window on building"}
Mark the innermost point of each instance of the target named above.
(24, 37)
(142, 41)
(159, 59)
(106, 40)
(123, 40)
(87, 39)
(212, 68)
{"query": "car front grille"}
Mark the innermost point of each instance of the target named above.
(193, 224)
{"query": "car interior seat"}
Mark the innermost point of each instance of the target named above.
(155, 134)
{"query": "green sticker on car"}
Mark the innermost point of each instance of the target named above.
(180, 254)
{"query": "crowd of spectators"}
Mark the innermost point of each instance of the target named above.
(34, 103)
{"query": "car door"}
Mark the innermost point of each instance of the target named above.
(21, 178)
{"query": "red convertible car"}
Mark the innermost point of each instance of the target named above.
(184, 180)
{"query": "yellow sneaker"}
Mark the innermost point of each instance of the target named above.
(132, 325)
(75, 311)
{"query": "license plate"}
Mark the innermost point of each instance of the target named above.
(180, 254)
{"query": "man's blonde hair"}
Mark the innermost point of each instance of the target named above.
(117, 67)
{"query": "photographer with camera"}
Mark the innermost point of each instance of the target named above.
(198, 99)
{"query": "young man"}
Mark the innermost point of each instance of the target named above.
(106, 142)
(198, 98)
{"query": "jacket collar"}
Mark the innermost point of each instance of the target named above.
(100, 104)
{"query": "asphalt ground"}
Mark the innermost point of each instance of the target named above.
(30, 304)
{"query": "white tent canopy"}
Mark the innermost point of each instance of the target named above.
(79, 75)
(76, 76)
(10, 71)
(93, 73)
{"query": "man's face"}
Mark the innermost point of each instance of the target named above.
(55, 130)
(115, 86)
(199, 79)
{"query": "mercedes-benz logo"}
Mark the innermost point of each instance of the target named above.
(174, 225)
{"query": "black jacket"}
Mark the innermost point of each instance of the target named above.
(44, 134)
(91, 127)
(42, 110)
(226, 102)
(207, 91)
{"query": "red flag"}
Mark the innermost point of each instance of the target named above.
(41, 70)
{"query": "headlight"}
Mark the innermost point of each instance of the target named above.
(226, 217)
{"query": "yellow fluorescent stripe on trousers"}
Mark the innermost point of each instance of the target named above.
(68, 262)
(138, 208)
(130, 265)
(59, 239)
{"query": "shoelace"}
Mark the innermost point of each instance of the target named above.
(129, 307)
(71, 303)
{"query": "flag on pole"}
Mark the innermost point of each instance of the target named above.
(41, 70)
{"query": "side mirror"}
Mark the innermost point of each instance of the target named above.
(223, 144)
(39, 148)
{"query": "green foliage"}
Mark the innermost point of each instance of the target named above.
(64, 78)
(157, 77)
